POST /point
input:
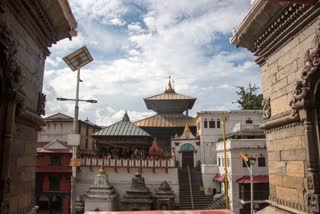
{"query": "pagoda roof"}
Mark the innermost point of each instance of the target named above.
(169, 101)
(122, 128)
(166, 120)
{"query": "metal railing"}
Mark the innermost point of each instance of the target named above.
(190, 186)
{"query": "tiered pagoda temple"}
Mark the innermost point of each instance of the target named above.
(170, 118)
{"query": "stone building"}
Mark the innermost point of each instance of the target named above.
(284, 37)
(27, 29)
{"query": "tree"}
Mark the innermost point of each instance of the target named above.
(249, 100)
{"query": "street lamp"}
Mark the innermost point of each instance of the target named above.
(66, 99)
(249, 163)
(75, 61)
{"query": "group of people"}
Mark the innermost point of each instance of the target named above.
(125, 153)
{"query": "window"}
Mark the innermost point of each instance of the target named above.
(218, 161)
(261, 161)
(212, 124)
(54, 183)
(218, 124)
(55, 159)
(205, 123)
(249, 121)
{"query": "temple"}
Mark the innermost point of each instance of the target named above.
(169, 119)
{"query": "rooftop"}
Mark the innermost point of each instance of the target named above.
(169, 101)
(166, 120)
(122, 128)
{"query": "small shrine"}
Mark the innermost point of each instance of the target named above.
(102, 195)
(155, 151)
(138, 197)
(186, 147)
(164, 197)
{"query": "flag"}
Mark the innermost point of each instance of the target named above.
(244, 157)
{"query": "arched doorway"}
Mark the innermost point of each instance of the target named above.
(187, 153)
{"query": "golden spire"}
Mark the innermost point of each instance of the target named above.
(101, 171)
(169, 87)
(187, 128)
(154, 140)
(176, 136)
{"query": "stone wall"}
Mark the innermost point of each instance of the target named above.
(26, 32)
(285, 40)
(286, 145)
(21, 169)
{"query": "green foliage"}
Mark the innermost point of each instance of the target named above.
(249, 100)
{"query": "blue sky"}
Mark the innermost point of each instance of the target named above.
(137, 44)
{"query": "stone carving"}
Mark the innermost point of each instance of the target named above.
(13, 71)
(312, 202)
(310, 182)
(266, 108)
(164, 197)
(301, 95)
(41, 104)
(284, 23)
(138, 197)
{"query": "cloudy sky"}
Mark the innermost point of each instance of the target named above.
(137, 44)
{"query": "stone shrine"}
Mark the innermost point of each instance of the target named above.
(164, 197)
(102, 195)
(138, 197)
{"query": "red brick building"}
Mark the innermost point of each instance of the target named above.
(53, 177)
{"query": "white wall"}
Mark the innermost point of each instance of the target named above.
(251, 147)
(209, 136)
(55, 130)
(208, 172)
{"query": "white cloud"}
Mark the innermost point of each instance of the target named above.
(135, 52)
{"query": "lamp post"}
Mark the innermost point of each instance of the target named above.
(249, 163)
(75, 61)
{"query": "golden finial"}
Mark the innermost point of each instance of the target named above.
(101, 171)
(176, 136)
(169, 87)
(187, 128)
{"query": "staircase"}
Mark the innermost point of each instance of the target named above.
(198, 200)
(219, 202)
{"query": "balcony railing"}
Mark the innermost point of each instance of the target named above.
(129, 163)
